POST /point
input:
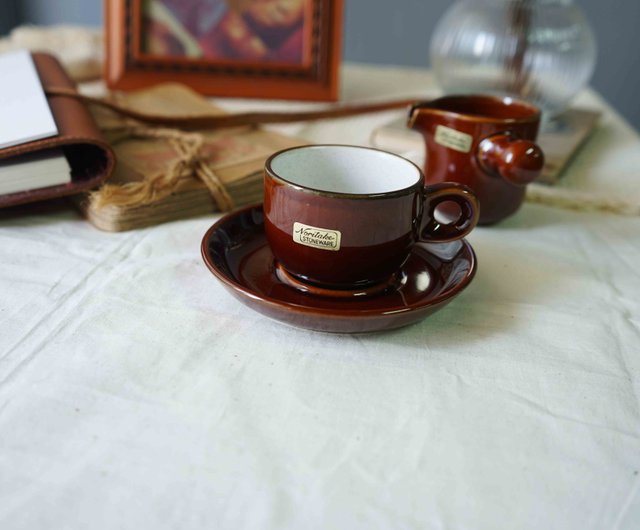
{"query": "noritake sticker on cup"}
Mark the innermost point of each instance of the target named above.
(315, 237)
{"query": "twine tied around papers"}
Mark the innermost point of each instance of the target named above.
(189, 161)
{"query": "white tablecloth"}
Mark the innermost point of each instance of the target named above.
(136, 393)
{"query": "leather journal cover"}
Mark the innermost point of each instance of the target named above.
(90, 157)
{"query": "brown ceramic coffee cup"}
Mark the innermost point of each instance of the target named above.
(347, 216)
(484, 142)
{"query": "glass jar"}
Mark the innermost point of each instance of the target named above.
(542, 51)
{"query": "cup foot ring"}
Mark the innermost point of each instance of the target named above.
(284, 276)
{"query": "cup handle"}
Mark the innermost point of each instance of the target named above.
(434, 231)
(517, 161)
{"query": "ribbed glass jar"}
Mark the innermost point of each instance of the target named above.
(543, 51)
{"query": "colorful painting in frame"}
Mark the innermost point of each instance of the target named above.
(285, 49)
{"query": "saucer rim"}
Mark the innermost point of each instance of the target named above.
(330, 312)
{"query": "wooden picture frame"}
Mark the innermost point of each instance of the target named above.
(307, 70)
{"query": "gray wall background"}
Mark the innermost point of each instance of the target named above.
(398, 32)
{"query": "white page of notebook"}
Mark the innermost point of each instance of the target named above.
(24, 112)
(34, 170)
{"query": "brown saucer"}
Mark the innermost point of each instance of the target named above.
(236, 251)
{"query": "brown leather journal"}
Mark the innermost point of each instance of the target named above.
(90, 157)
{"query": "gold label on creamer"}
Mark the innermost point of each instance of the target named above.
(453, 139)
(315, 237)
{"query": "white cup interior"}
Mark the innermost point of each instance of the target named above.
(345, 169)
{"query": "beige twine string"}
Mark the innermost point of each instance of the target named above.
(189, 162)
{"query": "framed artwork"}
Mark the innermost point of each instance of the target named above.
(286, 49)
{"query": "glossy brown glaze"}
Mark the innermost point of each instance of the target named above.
(371, 246)
(515, 160)
(318, 290)
(236, 251)
(377, 231)
(488, 145)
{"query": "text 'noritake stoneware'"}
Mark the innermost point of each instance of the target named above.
(484, 142)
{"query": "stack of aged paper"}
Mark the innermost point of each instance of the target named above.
(165, 174)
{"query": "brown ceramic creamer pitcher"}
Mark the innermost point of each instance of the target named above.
(484, 142)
